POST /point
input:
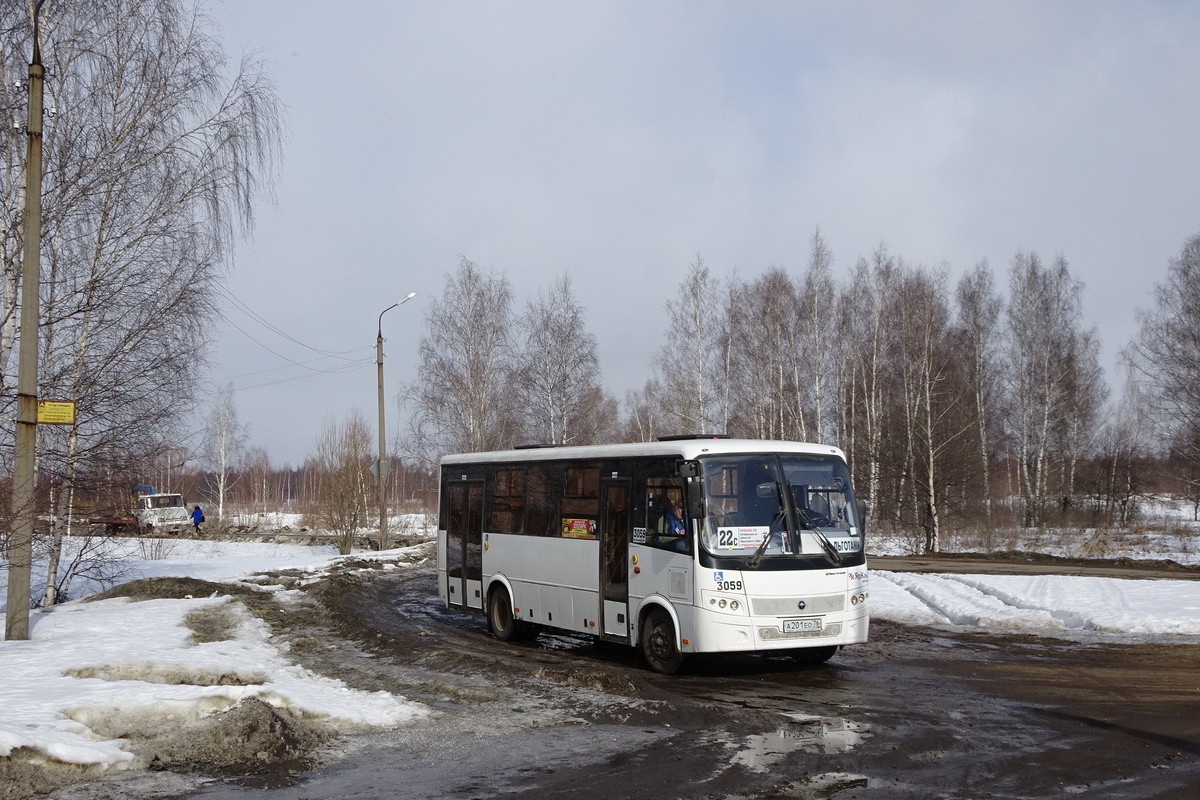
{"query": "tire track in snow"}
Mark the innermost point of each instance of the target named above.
(1071, 618)
(958, 602)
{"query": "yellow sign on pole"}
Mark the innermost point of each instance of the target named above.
(56, 412)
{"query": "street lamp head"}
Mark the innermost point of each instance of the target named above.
(411, 295)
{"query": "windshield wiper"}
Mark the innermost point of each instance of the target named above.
(831, 552)
(758, 553)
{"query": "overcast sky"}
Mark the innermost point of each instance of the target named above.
(618, 140)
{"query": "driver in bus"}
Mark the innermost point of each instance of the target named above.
(672, 523)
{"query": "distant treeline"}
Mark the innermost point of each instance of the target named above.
(955, 403)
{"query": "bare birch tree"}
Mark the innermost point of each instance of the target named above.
(153, 163)
(906, 344)
(728, 329)
(154, 155)
(979, 310)
(687, 360)
(925, 363)
(557, 369)
(866, 321)
(257, 470)
(462, 400)
(1164, 359)
(1085, 394)
(598, 418)
(644, 413)
(818, 314)
(1127, 441)
(224, 441)
(764, 360)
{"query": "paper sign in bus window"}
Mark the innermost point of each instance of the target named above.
(738, 538)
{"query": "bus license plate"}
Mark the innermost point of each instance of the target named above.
(801, 625)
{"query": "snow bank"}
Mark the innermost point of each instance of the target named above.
(1048, 605)
(85, 663)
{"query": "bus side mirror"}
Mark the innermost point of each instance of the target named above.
(695, 499)
(863, 508)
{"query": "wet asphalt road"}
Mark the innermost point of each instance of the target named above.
(913, 713)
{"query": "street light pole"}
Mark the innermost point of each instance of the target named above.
(381, 466)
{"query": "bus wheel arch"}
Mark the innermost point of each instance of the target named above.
(658, 639)
(500, 618)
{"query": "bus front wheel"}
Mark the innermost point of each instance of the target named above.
(500, 615)
(658, 642)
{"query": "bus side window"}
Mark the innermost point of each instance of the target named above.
(666, 514)
(581, 502)
(544, 490)
(506, 511)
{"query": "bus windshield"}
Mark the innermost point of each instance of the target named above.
(771, 506)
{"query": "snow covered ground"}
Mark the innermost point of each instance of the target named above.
(1107, 609)
(86, 661)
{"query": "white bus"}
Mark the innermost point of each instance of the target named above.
(684, 545)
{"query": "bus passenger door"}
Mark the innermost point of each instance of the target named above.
(661, 549)
(464, 545)
(614, 560)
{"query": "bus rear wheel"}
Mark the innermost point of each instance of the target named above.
(500, 615)
(657, 639)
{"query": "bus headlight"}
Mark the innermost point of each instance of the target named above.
(714, 602)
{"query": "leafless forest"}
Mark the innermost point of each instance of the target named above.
(979, 402)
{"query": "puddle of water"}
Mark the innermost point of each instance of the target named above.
(805, 733)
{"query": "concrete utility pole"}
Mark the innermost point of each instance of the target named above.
(381, 465)
(20, 543)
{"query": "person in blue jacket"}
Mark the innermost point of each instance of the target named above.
(672, 527)
(197, 518)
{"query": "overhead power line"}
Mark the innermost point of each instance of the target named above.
(348, 362)
(254, 315)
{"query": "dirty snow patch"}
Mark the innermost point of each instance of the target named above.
(85, 663)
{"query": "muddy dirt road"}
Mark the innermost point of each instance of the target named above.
(915, 713)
